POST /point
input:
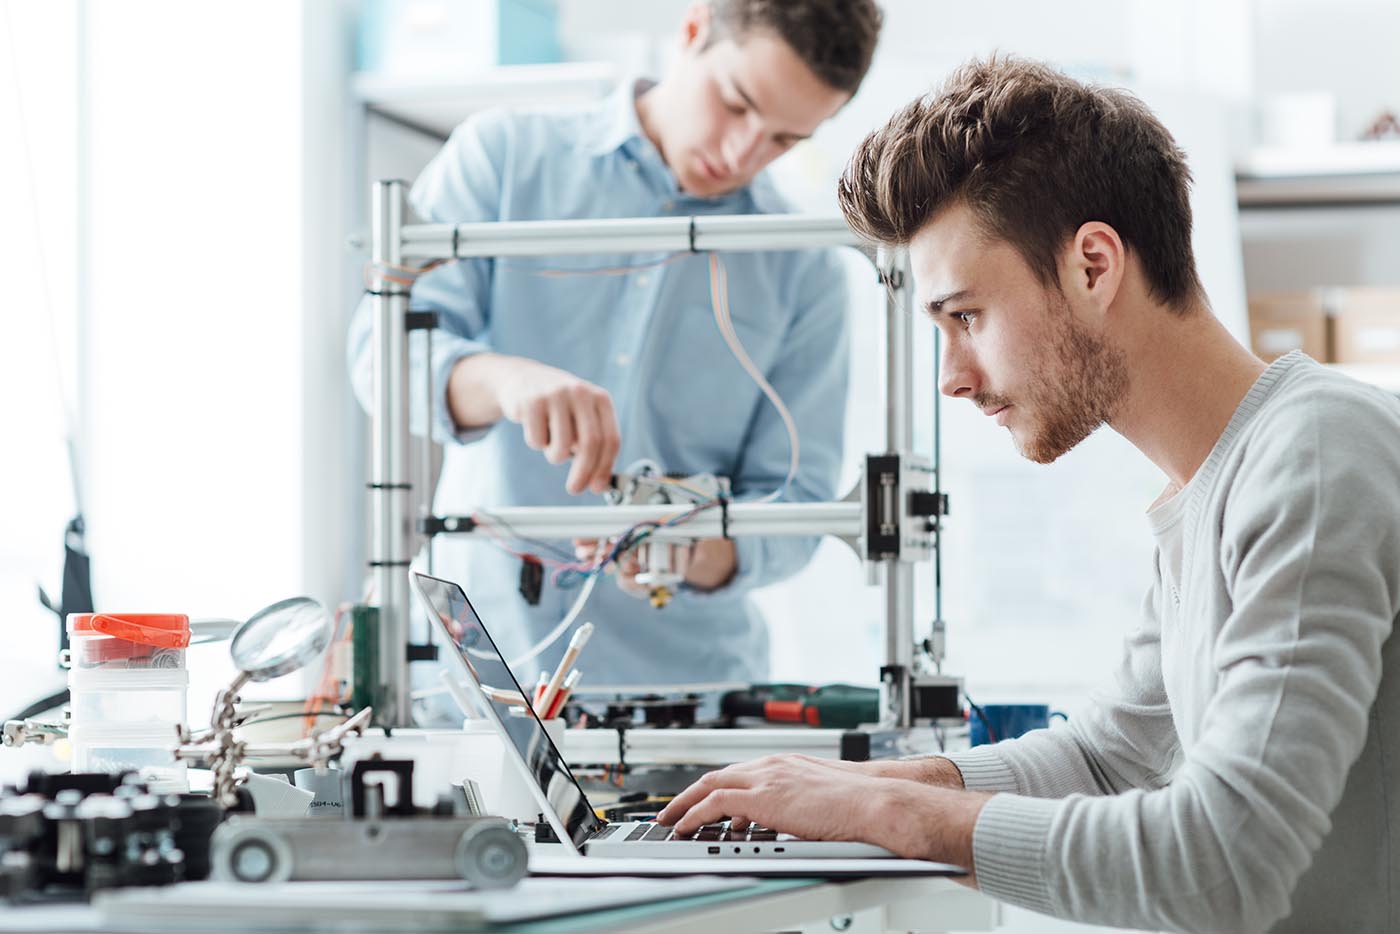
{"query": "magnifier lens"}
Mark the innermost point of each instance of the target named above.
(281, 638)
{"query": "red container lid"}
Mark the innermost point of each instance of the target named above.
(163, 630)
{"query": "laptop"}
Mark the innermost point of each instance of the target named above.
(473, 655)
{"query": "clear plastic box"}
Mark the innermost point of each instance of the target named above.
(116, 747)
(128, 695)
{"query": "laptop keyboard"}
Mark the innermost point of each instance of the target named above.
(710, 833)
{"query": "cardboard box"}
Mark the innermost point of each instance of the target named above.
(1367, 324)
(1284, 321)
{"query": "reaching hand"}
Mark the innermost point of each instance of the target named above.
(562, 415)
(628, 566)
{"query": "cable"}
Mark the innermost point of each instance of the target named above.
(628, 539)
(547, 641)
(326, 684)
(397, 274)
(719, 299)
(982, 715)
(42, 705)
(487, 522)
(486, 518)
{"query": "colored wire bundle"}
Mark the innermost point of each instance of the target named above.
(397, 274)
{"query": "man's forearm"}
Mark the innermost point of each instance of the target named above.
(471, 401)
(919, 822)
(712, 563)
(927, 770)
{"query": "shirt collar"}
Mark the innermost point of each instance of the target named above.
(618, 117)
(619, 127)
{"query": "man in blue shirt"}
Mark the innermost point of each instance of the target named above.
(553, 373)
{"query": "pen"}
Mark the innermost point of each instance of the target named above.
(540, 684)
(557, 707)
(576, 644)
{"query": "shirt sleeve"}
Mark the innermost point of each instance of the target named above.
(462, 184)
(1296, 664)
(810, 376)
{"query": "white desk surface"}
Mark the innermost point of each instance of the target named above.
(873, 906)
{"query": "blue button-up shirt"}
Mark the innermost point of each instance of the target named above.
(647, 336)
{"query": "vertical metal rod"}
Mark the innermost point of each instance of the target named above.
(899, 433)
(939, 634)
(425, 449)
(389, 486)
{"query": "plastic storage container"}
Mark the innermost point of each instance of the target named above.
(128, 668)
(116, 747)
(128, 695)
(129, 688)
(128, 640)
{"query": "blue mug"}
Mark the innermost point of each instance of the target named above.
(991, 723)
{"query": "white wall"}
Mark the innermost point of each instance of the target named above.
(196, 433)
(1346, 48)
(186, 281)
(38, 363)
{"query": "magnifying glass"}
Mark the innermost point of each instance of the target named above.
(279, 639)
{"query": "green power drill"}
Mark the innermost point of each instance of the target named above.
(831, 705)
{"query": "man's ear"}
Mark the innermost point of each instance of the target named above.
(1096, 264)
(696, 25)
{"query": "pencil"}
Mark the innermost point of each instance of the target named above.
(576, 645)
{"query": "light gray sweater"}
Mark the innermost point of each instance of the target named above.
(1242, 773)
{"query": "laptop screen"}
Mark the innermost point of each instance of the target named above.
(477, 657)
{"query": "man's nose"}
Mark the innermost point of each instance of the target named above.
(743, 147)
(957, 378)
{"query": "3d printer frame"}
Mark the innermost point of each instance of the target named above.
(894, 523)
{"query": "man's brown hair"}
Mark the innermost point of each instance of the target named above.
(1034, 154)
(834, 38)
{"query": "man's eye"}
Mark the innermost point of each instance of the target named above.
(965, 318)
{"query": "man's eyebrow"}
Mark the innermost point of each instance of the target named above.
(934, 306)
(738, 89)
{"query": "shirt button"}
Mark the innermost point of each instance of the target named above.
(643, 279)
(623, 359)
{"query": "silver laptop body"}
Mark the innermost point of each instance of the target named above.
(473, 656)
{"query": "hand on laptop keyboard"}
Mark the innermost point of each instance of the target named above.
(717, 832)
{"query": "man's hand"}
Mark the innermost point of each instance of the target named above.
(818, 799)
(626, 568)
(707, 565)
(562, 415)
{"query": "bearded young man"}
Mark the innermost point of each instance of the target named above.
(1240, 773)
